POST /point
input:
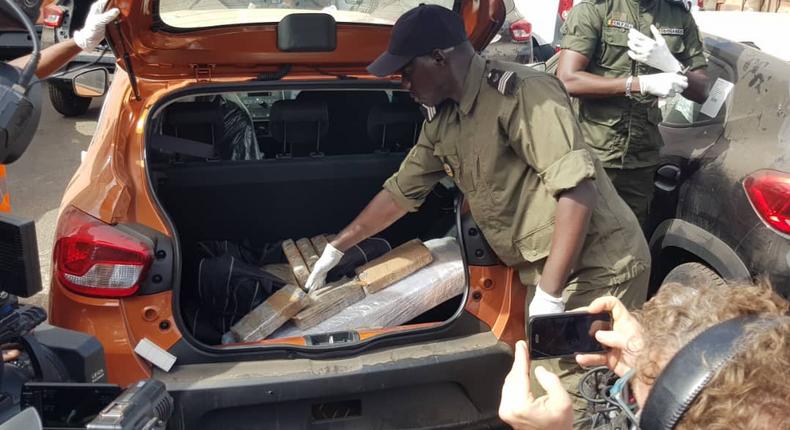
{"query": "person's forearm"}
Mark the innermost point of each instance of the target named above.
(379, 214)
(571, 221)
(52, 58)
(586, 84)
(697, 90)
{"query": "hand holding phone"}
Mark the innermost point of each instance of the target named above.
(566, 334)
(623, 341)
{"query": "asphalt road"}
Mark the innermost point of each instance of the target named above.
(37, 180)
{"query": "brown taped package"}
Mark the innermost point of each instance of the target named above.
(319, 243)
(271, 314)
(308, 253)
(327, 302)
(296, 261)
(394, 266)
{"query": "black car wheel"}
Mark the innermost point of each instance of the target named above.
(694, 275)
(65, 101)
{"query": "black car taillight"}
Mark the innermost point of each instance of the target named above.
(769, 194)
(97, 259)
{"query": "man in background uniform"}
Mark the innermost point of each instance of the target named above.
(618, 74)
(505, 134)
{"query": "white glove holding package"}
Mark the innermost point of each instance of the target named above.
(329, 259)
(544, 303)
(654, 53)
(663, 84)
(89, 37)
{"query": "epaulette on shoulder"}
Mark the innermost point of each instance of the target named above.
(684, 4)
(504, 81)
(429, 112)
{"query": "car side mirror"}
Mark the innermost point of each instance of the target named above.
(90, 83)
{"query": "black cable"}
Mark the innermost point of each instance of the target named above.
(32, 64)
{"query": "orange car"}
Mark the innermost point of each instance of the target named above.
(313, 138)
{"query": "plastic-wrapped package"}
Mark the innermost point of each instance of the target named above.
(238, 141)
(402, 301)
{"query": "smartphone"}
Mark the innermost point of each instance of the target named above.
(566, 334)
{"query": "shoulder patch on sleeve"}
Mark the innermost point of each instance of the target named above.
(504, 81)
(685, 4)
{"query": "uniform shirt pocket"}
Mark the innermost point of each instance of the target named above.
(614, 53)
(455, 168)
(675, 44)
(536, 244)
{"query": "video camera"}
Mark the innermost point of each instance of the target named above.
(60, 373)
(59, 379)
(20, 97)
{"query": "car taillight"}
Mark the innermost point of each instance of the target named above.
(769, 194)
(521, 31)
(53, 16)
(565, 8)
(96, 259)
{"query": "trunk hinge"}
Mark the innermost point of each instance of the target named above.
(203, 72)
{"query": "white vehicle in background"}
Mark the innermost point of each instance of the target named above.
(749, 28)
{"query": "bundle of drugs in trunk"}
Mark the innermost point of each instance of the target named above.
(268, 316)
(402, 301)
(327, 302)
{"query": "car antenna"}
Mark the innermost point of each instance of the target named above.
(276, 75)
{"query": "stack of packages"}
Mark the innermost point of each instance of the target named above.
(305, 311)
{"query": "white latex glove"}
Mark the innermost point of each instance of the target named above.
(654, 53)
(329, 259)
(89, 37)
(544, 303)
(522, 410)
(663, 84)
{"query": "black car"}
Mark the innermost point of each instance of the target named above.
(722, 205)
(66, 17)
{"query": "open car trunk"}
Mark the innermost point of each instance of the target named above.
(239, 172)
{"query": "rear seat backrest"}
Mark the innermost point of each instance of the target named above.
(198, 121)
(299, 126)
(348, 113)
(394, 127)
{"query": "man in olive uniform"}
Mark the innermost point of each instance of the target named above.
(618, 74)
(507, 137)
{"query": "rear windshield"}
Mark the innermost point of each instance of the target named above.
(212, 13)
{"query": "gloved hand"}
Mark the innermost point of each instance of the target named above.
(662, 84)
(89, 37)
(544, 303)
(654, 53)
(329, 259)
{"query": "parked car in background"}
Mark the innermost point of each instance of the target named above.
(233, 127)
(722, 204)
(531, 30)
(65, 17)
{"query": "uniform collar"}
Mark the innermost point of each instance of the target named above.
(474, 78)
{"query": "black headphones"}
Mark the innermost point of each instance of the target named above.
(692, 368)
(20, 98)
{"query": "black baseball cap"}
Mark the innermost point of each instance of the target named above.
(418, 32)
